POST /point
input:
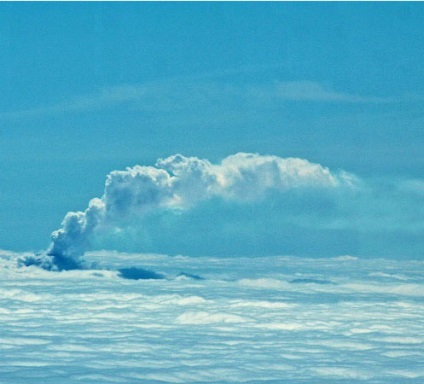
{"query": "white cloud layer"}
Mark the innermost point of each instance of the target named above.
(179, 183)
(256, 319)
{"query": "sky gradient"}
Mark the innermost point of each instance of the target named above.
(88, 88)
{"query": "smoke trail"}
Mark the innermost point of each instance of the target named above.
(179, 183)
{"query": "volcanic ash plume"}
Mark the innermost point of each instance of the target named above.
(179, 183)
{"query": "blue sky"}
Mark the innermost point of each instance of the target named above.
(92, 87)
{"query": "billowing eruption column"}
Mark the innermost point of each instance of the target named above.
(179, 183)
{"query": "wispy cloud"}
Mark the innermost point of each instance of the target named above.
(186, 93)
(314, 91)
(104, 98)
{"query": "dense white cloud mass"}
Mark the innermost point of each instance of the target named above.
(225, 320)
(179, 183)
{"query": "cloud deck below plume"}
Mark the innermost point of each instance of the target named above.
(245, 321)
